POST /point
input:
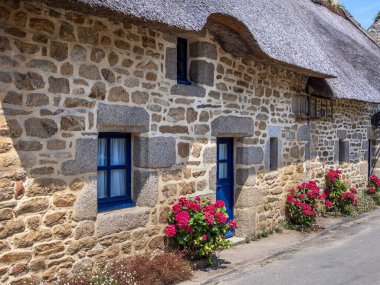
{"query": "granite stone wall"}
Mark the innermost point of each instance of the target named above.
(65, 77)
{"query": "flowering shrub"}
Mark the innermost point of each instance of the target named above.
(373, 185)
(199, 226)
(302, 204)
(338, 197)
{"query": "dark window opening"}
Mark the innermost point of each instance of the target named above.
(311, 107)
(182, 61)
(344, 151)
(273, 156)
(114, 171)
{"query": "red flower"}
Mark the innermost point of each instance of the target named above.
(292, 191)
(197, 198)
(210, 209)
(182, 219)
(193, 206)
(329, 204)
(233, 224)
(182, 200)
(353, 191)
(209, 218)
(204, 237)
(220, 217)
(220, 204)
(170, 231)
(177, 208)
(372, 190)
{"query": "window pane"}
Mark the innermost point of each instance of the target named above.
(118, 182)
(117, 151)
(222, 151)
(223, 170)
(102, 184)
(102, 152)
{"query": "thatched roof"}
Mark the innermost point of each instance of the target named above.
(297, 34)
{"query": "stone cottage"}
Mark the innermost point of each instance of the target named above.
(112, 110)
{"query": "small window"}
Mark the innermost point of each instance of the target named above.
(114, 171)
(344, 152)
(182, 61)
(273, 158)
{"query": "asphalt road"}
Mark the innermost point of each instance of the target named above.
(349, 254)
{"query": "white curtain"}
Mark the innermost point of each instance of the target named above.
(117, 151)
(118, 177)
(118, 187)
(102, 152)
(102, 193)
(102, 161)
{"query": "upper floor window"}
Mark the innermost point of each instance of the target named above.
(114, 171)
(182, 61)
(311, 107)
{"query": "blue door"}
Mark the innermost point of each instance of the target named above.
(225, 176)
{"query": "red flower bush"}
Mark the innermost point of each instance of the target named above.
(338, 197)
(302, 204)
(199, 226)
(373, 185)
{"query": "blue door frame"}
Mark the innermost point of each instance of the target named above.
(225, 176)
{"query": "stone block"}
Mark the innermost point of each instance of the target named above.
(122, 220)
(203, 49)
(73, 123)
(246, 219)
(212, 179)
(44, 186)
(304, 133)
(122, 118)
(36, 100)
(247, 197)
(341, 134)
(246, 176)
(33, 205)
(249, 155)
(202, 72)
(59, 85)
(145, 188)
(232, 126)
(86, 206)
(85, 158)
(274, 131)
(41, 128)
(188, 90)
(155, 152)
(171, 63)
(209, 155)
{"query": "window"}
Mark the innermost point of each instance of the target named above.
(182, 61)
(114, 171)
(312, 107)
(344, 151)
(273, 158)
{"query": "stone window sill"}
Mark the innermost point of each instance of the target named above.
(121, 220)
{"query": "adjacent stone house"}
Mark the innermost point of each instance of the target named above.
(112, 110)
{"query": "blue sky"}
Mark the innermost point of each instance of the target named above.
(364, 11)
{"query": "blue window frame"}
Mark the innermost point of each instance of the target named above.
(182, 61)
(114, 171)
